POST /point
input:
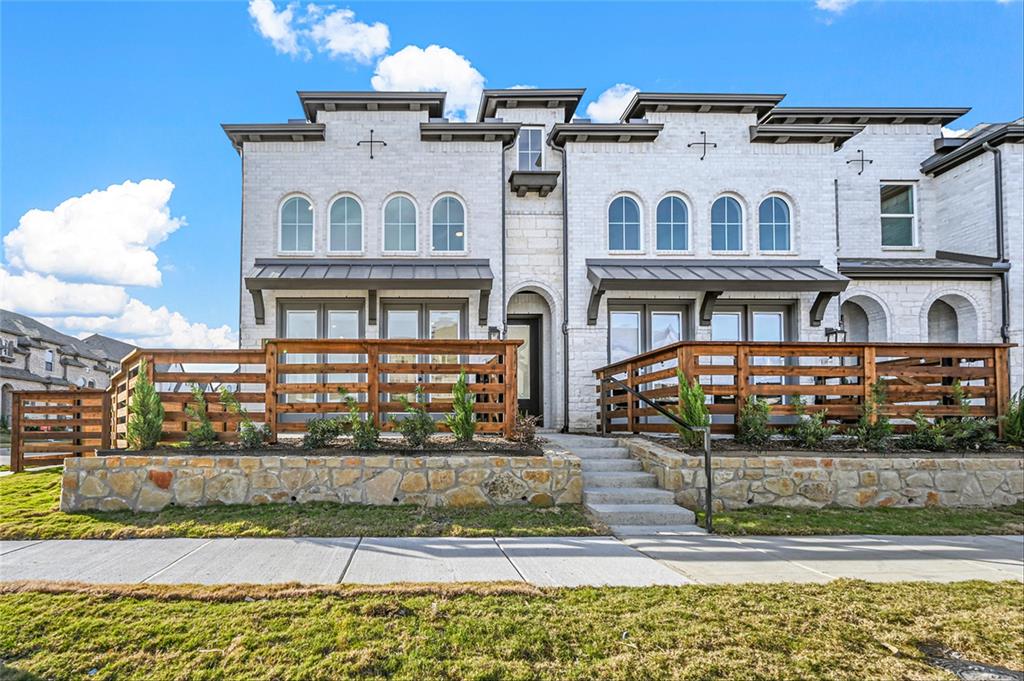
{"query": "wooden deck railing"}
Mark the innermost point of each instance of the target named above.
(918, 377)
(47, 427)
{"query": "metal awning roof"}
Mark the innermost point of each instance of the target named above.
(368, 274)
(714, 277)
(943, 266)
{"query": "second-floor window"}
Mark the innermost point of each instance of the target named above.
(531, 155)
(48, 360)
(726, 225)
(624, 225)
(399, 225)
(774, 224)
(346, 225)
(296, 226)
(898, 227)
(449, 225)
(673, 225)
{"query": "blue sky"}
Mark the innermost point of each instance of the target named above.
(95, 95)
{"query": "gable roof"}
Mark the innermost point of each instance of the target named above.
(111, 348)
(491, 100)
(32, 332)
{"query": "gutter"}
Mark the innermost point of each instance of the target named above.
(1004, 285)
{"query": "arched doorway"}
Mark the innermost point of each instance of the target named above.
(530, 320)
(865, 320)
(943, 325)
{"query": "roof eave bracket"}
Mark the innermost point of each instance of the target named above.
(596, 292)
(257, 305)
(819, 306)
(485, 300)
(707, 306)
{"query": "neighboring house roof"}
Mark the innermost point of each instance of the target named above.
(944, 266)
(863, 115)
(491, 100)
(33, 333)
(9, 372)
(108, 347)
(993, 135)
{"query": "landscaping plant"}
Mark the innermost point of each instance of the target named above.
(968, 432)
(1013, 420)
(145, 413)
(365, 433)
(461, 421)
(524, 429)
(810, 431)
(926, 435)
(752, 427)
(693, 410)
(873, 430)
(321, 432)
(200, 428)
(417, 426)
(250, 436)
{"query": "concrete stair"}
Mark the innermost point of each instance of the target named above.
(620, 494)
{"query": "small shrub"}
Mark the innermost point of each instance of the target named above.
(693, 410)
(1013, 420)
(926, 435)
(752, 426)
(200, 428)
(968, 432)
(145, 414)
(250, 436)
(873, 430)
(5, 426)
(524, 430)
(321, 432)
(810, 431)
(417, 426)
(461, 421)
(364, 431)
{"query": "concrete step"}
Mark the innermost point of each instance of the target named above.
(655, 530)
(585, 441)
(642, 514)
(612, 465)
(627, 495)
(619, 480)
(601, 452)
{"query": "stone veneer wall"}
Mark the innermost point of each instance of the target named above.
(141, 482)
(801, 479)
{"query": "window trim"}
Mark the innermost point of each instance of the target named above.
(747, 307)
(689, 225)
(646, 306)
(320, 306)
(743, 225)
(915, 243)
(424, 306)
(362, 224)
(465, 224)
(384, 226)
(792, 229)
(280, 225)
(49, 360)
(640, 225)
(540, 129)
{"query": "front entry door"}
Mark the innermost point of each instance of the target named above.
(527, 329)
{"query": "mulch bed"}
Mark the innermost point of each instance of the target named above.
(838, 447)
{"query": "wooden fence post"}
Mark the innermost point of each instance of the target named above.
(630, 400)
(270, 396)
(742, 377)
(511, 406)
(373, 385)
(1001, 365)
(604, 402)
(17, 456)
(869, 375)
(105, 418)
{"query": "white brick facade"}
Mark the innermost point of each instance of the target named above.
(834, 210)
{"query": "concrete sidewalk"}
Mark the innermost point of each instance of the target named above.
(559, 561)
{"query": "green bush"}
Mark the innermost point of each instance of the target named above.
(968, 432)
(321, 432)
(752, 426)
(873, 430)
(200, 428)
(417, 426)
(1013, 420)
(145, 413)
(930, 437)
(461, 421)
(250, 436)
(693, 410)
(364, 431)
(810, 431)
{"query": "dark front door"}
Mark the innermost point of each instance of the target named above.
(527, 329)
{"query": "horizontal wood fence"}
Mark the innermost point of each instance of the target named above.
(47, 427)
(838, 377)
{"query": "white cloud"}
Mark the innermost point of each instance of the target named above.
(33, 293)
(142, 325)
(277, 27)
(956, 132)
(610, 104)
(523, 87)
(435, 68)
(340, 35)
(104, 236)
(834, 6)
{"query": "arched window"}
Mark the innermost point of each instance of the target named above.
(400, 225)
(297, 226)
(624, 225)
(449, 223)
(774, 219)
(673, 225)
(346, 225)
(726, 225)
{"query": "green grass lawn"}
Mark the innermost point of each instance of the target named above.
(770, 520)
(29, 510)
(843, 630)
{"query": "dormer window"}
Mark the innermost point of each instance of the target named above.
(531, 151)
(48, 360)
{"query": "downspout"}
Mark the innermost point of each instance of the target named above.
(1004, 285)
(504, 249)
(241, 241)
(565, 290)
(835, 192)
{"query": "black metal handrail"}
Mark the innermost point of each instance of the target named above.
(674, 418)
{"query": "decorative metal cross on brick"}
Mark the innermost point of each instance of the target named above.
(370, 142)
(862, 161)
(703, 144)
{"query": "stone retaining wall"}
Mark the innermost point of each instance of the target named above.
(816, 479)
(149, 483)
